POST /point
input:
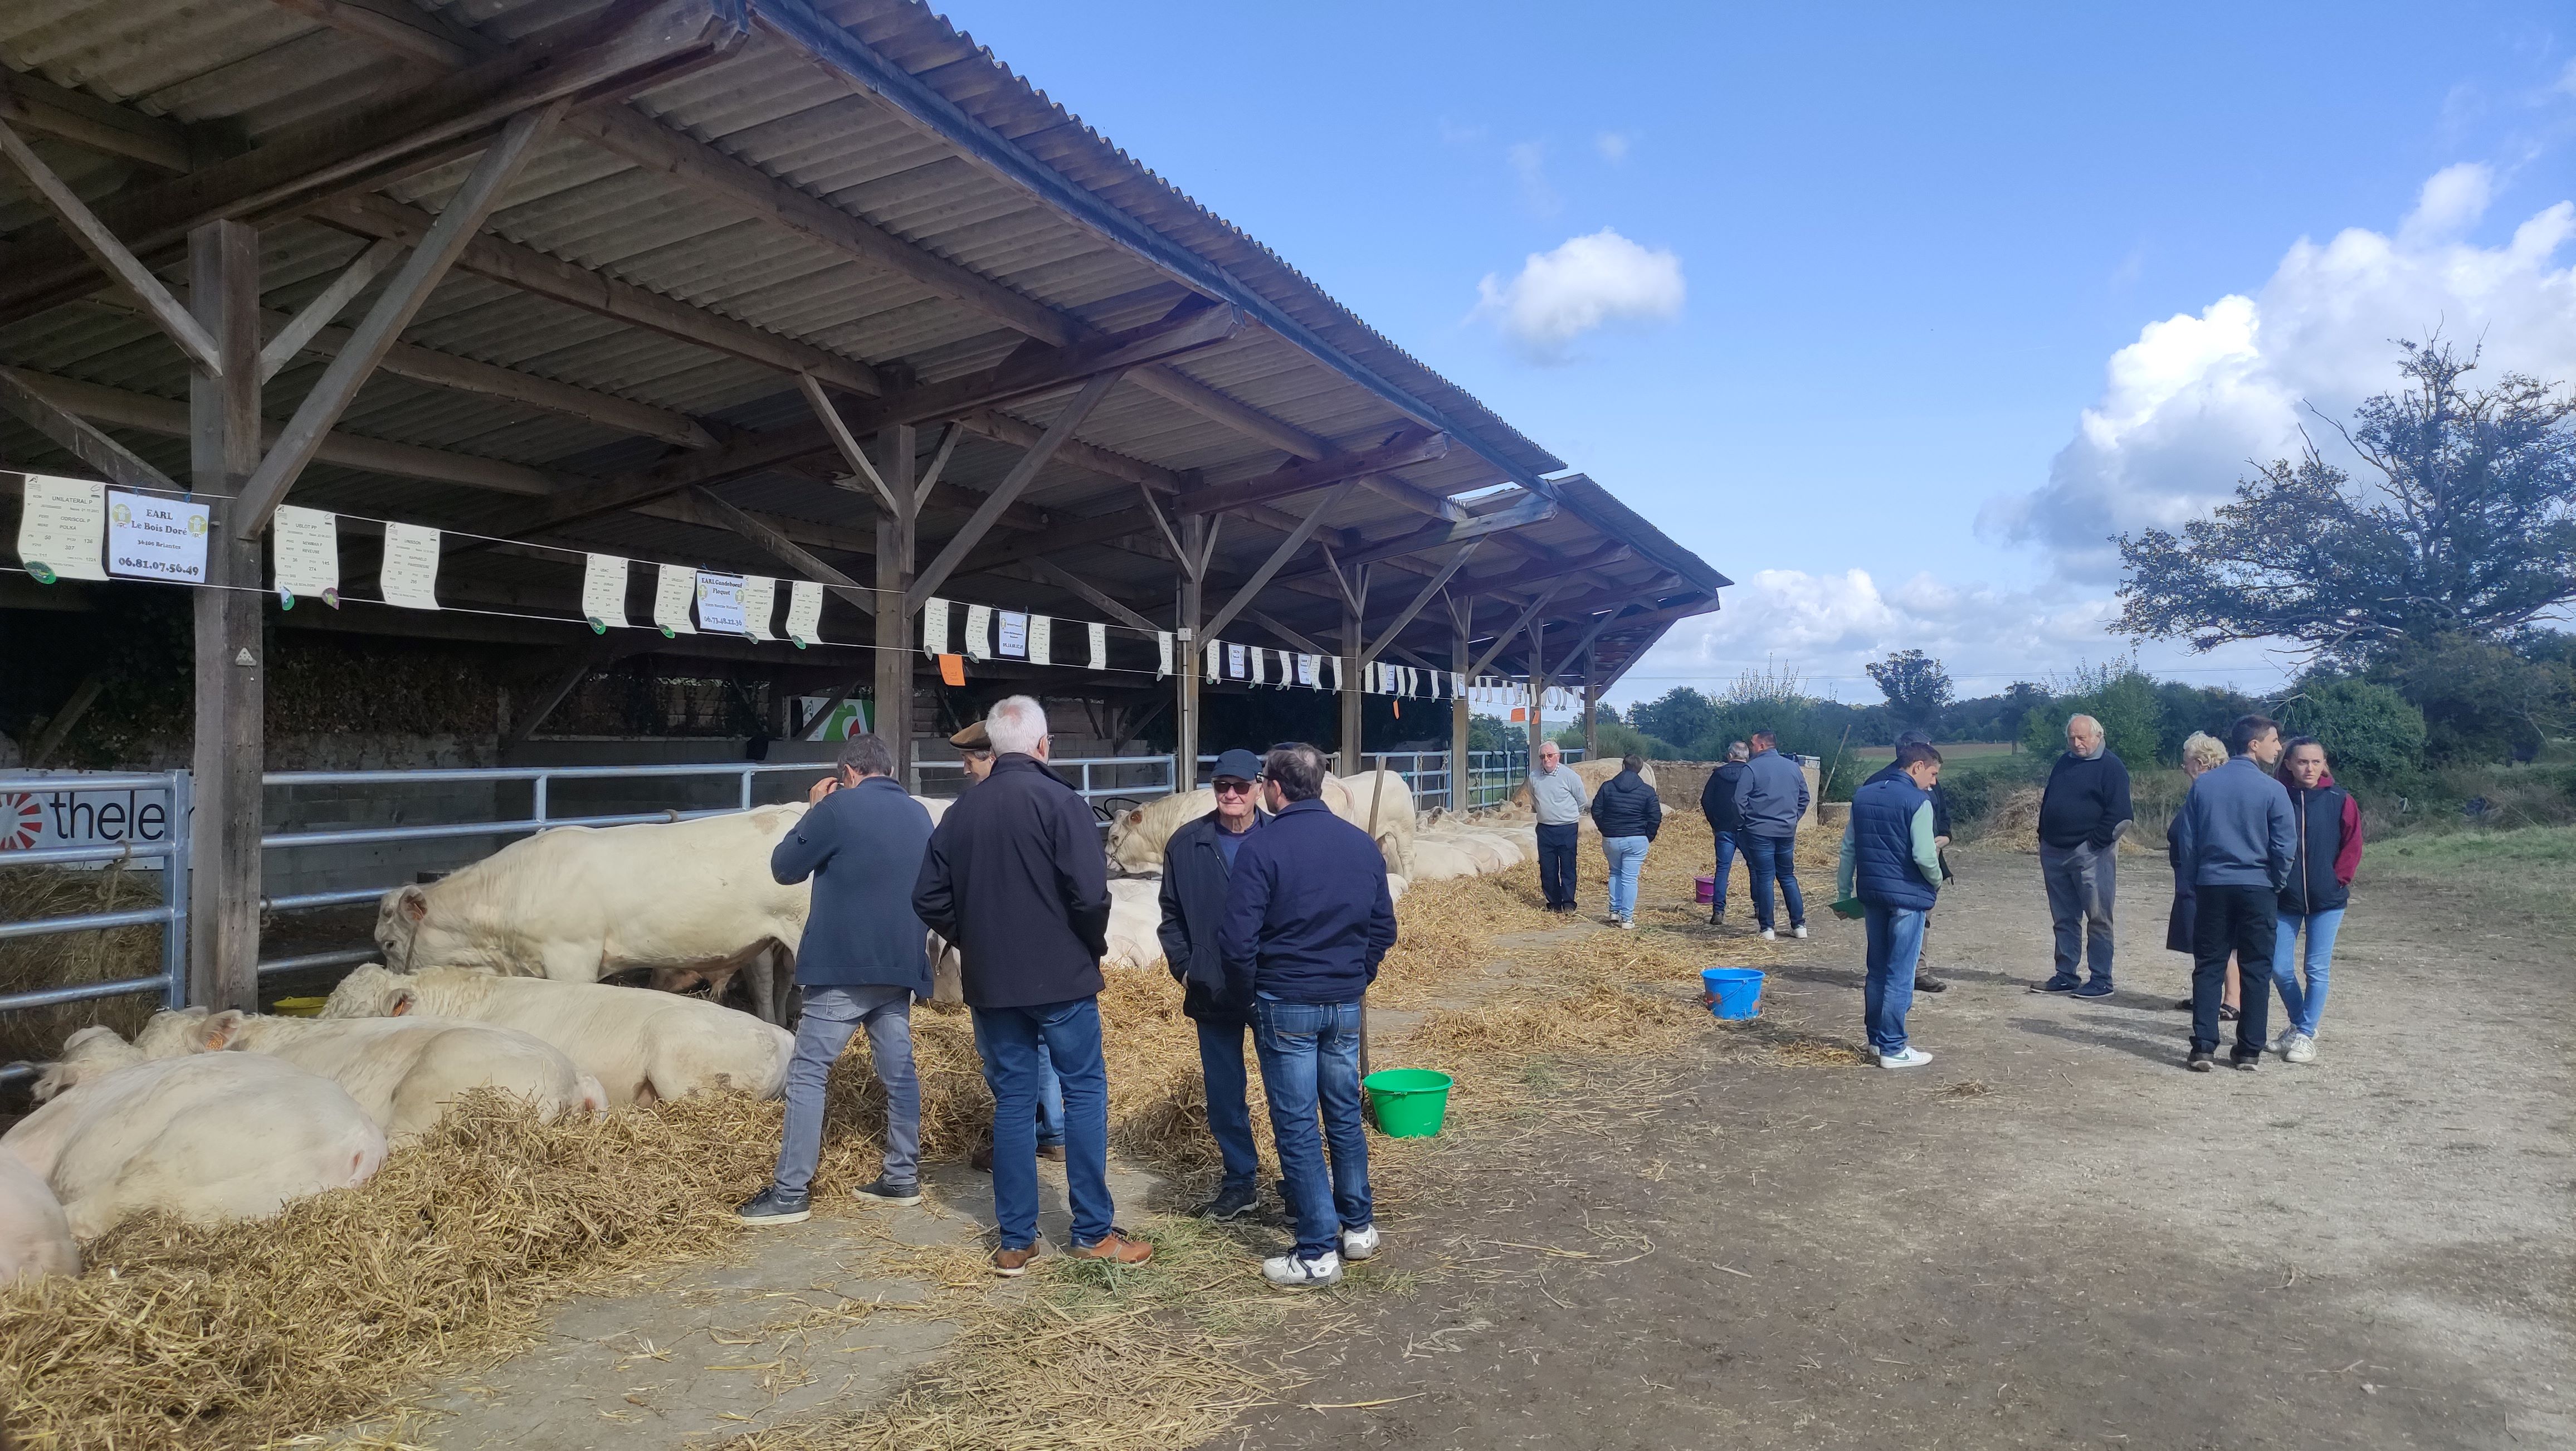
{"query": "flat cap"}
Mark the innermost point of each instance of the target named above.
(973, 738)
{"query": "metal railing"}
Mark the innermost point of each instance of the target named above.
(1492, 776)
(1088, 772)
(1426, 773)
(171, 915)
(540, 781)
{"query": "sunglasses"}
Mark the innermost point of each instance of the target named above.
(1233, 788)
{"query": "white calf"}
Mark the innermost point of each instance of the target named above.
(35, 1238)
(642, 1046)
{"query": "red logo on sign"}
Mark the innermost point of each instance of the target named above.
(21, 821)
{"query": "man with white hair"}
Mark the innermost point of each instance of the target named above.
(1015, 877)
(2082, 814)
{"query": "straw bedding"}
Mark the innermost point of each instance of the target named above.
(239, 1335)
(29, 963)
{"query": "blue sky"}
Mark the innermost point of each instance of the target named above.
(1877, 267)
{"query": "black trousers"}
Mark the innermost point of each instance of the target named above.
(2242, 920)
(1556, 845)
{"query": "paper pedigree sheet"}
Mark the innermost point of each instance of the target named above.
(409, 575)
(304, 553)
(1099, 646)
(62, 528)
(675, 588)
(603, 591)
(1041, 640)
(805, 612)
(759, 605)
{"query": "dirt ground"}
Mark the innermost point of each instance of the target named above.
(2052, 1235)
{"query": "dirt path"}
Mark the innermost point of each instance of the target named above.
(2052, 1235)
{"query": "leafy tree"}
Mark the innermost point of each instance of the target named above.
(2369, 731)
(2481, 700)
(2124, 703)
(1915, 685)
(2468, 528)
(1618, 740)
(1679, 714)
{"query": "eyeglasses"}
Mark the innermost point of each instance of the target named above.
(1233, 788)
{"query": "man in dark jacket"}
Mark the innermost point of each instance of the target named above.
(1307, 920)
(1717, 803)
(2239, 841)
(861, 962)
(1890, 863)
(1015, 877)
(1629, 813)
(1197, 862)
(1924, 981)
(2082, 814)
(1771, 800)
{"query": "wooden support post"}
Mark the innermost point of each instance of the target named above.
(1461, 779)
(1592, 703)
(1193, 544)
(1354, 663)
(891, 711)
(1537, 687)
(232, 660)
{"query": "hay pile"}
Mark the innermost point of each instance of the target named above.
(30, 963)
(240, 1335)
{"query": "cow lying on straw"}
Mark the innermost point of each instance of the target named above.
(224, 1136)
(35, 1238)
(642, 1046)
(404, 1073)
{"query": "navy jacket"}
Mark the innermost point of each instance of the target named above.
(2313, 885)
(1940, 803)
(1772, 798)
(1015, 877)
(1717, 798)
(1307, 915)
(2236, 829)
(1626, 806)
(1193, 900)
(1884, 869)
(862, 845)
(2085, 801)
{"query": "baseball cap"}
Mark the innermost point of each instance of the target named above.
(1241, 764)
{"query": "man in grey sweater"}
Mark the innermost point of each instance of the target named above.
(1770, 801)
(1556, 792)
(2235, 839)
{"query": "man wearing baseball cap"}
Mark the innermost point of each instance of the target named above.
(1197, 863)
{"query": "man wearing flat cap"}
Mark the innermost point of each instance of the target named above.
(1197, 862)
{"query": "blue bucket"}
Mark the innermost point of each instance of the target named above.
(1735, 992)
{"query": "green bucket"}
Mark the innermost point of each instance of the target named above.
(1410, 1102)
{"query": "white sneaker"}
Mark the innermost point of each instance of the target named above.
(1799, 931)
(2281, 1041)
(1770, 936)
(1909, 1057)
(1291, 1273)
(2302, 1049)
(1627, 924)
(1360, 1243)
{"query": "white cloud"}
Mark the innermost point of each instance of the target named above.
(1528, 161)
(1613, 146)
(2186, 407)
(1829, 626)
(1583, 285)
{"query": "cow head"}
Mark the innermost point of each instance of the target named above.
(399, 914)
(173, 1033)
(86, 1054)
(363, 993)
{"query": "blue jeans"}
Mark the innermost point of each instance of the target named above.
(1050, 1102)
(833, 1015)
(1725, 868)
(1016, 1044)
(1310, 1061)
(1626, 856)
(1895, 945)
(1228, 1114)
(1771, 858)
(2303, 1003)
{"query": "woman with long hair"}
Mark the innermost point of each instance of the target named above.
(2200, 752)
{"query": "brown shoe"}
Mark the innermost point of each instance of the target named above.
(1052, 1153)
(1010, 1263)
(1116, 1248)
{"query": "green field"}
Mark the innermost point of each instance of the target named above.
(1950, 751)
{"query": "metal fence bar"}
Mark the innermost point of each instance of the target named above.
(81, 992)
(171, 915)
(349, 957)
(85, 922)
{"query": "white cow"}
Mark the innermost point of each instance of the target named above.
(405, 1073)
(208, 1138)
(1137, 836)
(35, 1238)
(642, 1046)
(1135, 912)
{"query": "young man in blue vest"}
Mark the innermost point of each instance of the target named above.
(1892, 862)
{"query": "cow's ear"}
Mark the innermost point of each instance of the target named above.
(218, 1031)
(1136, 816)
(402, 1000)
(414, 903)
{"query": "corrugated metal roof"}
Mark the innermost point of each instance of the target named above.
(238, 74)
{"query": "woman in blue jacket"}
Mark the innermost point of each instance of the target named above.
(1629, 814)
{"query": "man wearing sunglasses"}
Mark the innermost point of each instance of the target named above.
(1197, 863)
